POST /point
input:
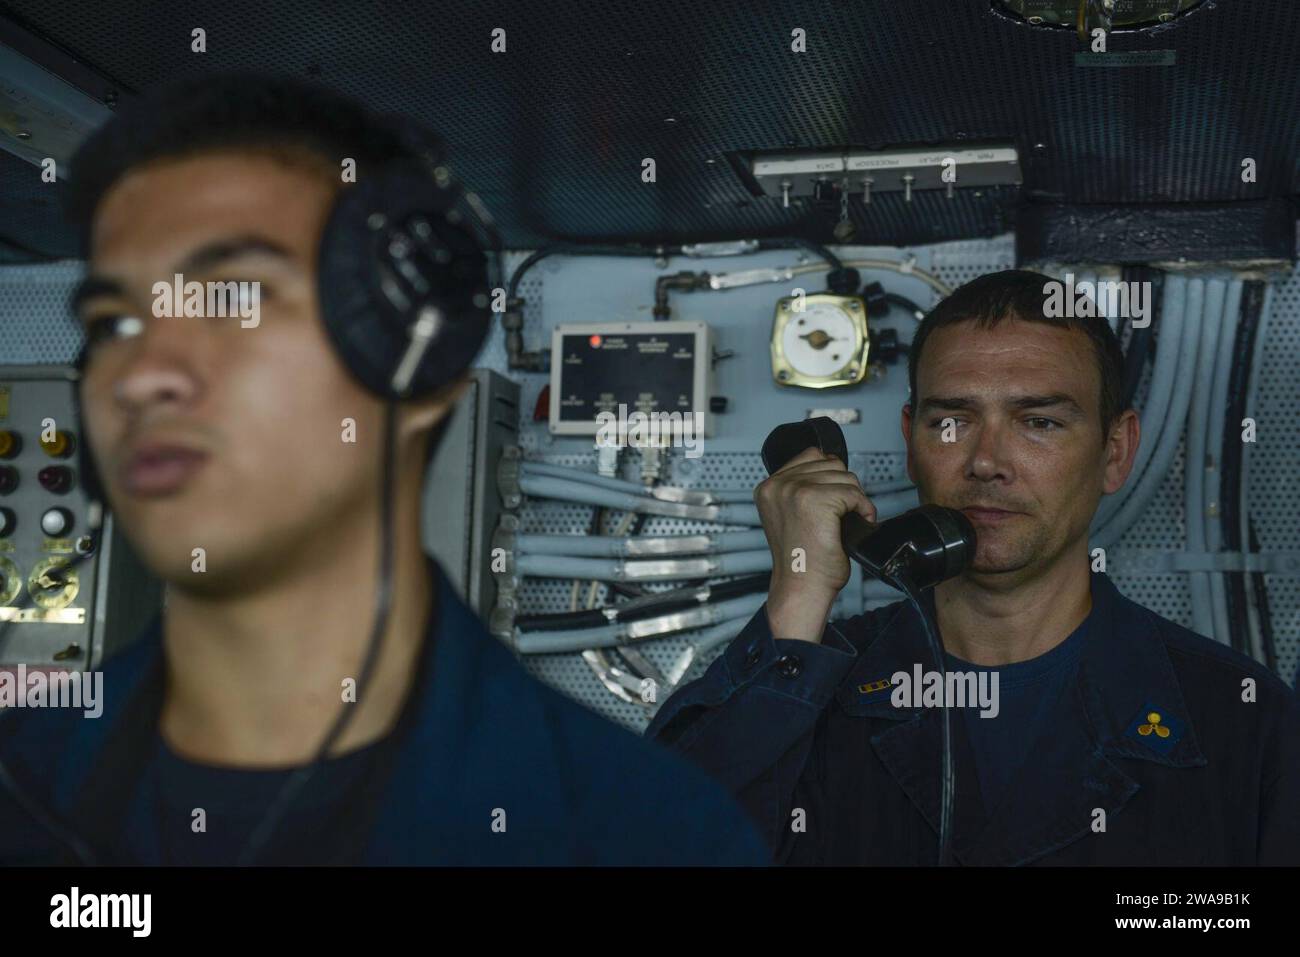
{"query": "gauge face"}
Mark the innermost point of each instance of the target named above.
(52, 583)
(819, 341)
(1125, 13)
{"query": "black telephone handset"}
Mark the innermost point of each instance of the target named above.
(928, 544)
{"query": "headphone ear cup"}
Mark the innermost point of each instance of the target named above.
(393, 243)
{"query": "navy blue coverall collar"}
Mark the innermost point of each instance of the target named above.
(1124, 675)
(447, 767)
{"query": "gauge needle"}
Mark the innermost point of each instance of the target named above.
(818, 339)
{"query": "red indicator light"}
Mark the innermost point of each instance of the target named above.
(594, 341)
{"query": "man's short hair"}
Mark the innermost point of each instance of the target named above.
(1020, 294)
(278, 116)
(245, 111)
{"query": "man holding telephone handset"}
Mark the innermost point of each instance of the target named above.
(1116, 737)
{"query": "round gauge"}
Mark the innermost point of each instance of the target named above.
(52, 584)
(820, 341)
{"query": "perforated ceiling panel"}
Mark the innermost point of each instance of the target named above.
(553, 131)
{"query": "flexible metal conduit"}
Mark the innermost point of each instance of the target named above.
(1248, 451)
(1211, 511)
(609, 546)
(1194, 468)
(608, 636)
(724, 514)
(537, 554)
(646, 570)
(1155, 412)
(1171, 429)
(675, 493)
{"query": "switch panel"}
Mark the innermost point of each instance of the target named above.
(67, 598)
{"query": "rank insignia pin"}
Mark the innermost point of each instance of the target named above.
(1153, 726)
(1156, 728)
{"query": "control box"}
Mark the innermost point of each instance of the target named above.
(69, 597)
(621, 368)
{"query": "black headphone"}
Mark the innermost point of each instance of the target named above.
(403, 277)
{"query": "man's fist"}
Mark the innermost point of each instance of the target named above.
(801, 506)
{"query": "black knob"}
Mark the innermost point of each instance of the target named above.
(884, 345)
(843, 282)
(717, 403)
(874, 294)
(8, 479)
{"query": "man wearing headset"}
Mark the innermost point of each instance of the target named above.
(1112, 736)
(253, 443)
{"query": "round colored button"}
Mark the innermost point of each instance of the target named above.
(59, 447)
(56, 522)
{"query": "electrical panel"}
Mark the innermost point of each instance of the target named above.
(654, 368)
(69, 597)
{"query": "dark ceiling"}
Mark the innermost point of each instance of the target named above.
(552, 132)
